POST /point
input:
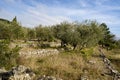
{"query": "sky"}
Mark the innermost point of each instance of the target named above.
(31, 13)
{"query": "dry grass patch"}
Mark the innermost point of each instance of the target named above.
(63, 65)
(67, 65)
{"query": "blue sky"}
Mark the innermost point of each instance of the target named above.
(31, 13)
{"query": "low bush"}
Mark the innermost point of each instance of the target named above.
(8, 56)
(88, 52)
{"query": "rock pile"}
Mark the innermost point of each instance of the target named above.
(22, 73)
(44, 77)
(17, 73)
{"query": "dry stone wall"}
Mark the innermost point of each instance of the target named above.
(39, 52)
(113, 72)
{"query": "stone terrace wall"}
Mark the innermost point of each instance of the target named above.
(39, 52)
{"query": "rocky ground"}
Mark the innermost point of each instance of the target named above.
(22, 73)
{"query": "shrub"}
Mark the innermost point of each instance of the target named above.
(8, 56)
(87, 52)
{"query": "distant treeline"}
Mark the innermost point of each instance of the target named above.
(77, 34)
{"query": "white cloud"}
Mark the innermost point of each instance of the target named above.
(5, 14)
(83, 3)
(33, 16)
(100, 2)
(46, 15)
(10, 1)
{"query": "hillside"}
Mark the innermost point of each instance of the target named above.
(66, 51)
(70, 65)
(59, 39)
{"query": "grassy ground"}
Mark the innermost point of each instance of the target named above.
(71, 65)
(66, 65)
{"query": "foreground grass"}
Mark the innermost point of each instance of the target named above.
(66, 65)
